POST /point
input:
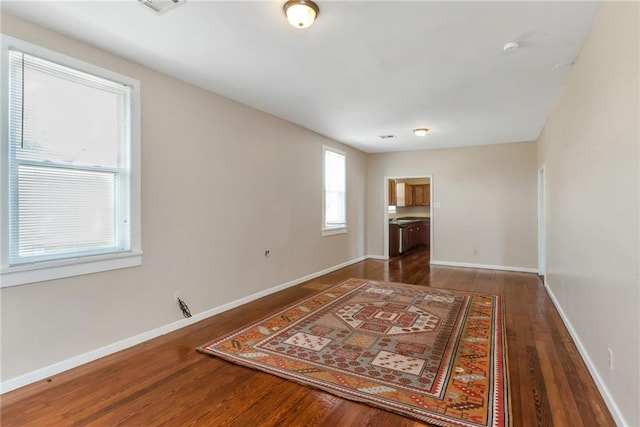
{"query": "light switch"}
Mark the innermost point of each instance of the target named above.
(436, 204)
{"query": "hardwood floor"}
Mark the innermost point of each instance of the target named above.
(166, 382)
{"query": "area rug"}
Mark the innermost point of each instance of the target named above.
(435, 355)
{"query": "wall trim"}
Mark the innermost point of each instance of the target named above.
(90, 356)
(381, 257)
(604, 390)
(484, 266)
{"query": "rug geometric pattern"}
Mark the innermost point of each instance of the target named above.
(435, 355)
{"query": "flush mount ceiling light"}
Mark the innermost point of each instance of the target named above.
(161, 6)
(301, 13)
(510, 47)
(420, 131)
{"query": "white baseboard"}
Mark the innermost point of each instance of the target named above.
(73, 362)
(484, 266)
(381, 257)
(604, 391)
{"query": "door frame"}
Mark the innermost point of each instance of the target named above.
(542, 223)
(385, 216)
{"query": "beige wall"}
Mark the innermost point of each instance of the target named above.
(221, 183)
(487, 198)
(589, 147)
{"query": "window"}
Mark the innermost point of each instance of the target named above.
(70, 166)
(334, 218)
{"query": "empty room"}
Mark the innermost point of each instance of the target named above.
(320, 213)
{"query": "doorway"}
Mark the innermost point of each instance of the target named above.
(408, 217)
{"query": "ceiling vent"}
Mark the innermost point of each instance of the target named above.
(161, 6)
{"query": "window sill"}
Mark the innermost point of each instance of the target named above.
(32, 273)
(334, 230)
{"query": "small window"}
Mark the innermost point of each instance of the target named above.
(70, 166)
(335, 220)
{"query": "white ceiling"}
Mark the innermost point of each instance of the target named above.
(364, 69)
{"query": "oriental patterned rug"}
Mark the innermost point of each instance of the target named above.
(435, 355)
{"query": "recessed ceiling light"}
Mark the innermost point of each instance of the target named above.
(420, 131)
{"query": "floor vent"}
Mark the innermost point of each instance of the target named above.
(161, 6)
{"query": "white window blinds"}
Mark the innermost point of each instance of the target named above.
(69, 162)
(334, 189)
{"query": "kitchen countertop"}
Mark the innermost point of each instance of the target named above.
(408, 220)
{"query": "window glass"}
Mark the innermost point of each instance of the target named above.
(70, 191)
(334, 187)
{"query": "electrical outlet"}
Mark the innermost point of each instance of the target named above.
(610, 359)
(267, 253)
(176, 295)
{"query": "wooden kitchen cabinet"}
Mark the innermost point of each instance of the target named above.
(392, 192)
(425, 233)
(404, 194)
(421, 194)
(419, 234)
(418, 195)
(416, 233)
(411, 194)
(411, 236)
(394, 240)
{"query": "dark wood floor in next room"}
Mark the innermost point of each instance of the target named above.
(166, 382)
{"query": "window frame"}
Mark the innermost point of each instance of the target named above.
(12, 275)
(338, 229)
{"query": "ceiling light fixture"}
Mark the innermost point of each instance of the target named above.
(510, 47)
(301, 13)
(161, 6)
(420, 131)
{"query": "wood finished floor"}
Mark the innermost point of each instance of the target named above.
(166, 382)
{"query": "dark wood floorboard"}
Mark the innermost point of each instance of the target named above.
(165, 382)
